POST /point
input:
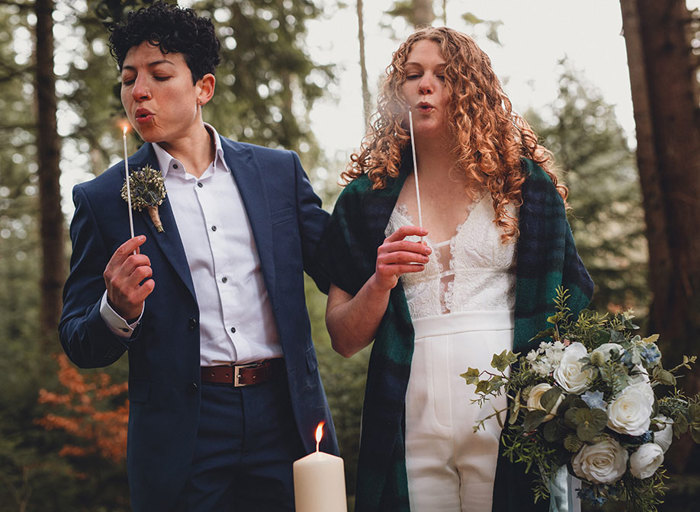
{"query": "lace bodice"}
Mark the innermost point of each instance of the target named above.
(473, 271)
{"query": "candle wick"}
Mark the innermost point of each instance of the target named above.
(317, 443)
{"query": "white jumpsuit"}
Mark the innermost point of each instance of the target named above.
(462, 307)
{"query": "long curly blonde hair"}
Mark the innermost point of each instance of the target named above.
(490, 137)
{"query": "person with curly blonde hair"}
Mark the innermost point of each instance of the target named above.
(441, 271)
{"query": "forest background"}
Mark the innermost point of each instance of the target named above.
(635, 199)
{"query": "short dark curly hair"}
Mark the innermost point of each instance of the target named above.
(174, 30)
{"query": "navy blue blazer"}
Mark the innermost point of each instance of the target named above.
(164, 365)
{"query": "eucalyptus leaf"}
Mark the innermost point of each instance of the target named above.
(533, 419)
(664, 376)
(549, 398)
(680, 425)
(572, 443)
(552, 431)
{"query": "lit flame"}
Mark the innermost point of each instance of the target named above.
(319, 433)
(124, 125)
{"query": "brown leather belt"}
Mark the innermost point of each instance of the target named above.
(240, 375)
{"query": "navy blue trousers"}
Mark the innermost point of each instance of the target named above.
(246, 444)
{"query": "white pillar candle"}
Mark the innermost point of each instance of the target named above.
(319, 481)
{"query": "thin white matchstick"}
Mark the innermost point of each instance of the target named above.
(128, 186)
(415, 167)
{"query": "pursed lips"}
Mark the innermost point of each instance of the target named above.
(143, 115)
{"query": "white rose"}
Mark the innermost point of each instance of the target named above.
(664, 437)
(570, 374)
(607, 348)
(646, 460)
(630, 412)
(535, 397)
(601, 463)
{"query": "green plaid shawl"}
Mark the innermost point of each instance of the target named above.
(546, 258)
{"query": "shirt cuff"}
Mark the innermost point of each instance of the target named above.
(115, 322)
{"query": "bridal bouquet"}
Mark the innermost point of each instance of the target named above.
(593, 396)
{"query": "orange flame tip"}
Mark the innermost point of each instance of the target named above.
(319, 432)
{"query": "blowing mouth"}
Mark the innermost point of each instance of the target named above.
(424, 106)
(142, 114)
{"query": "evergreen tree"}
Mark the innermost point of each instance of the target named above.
(606, 216)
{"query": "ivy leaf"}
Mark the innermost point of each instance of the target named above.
(471, 376)
(483, 387)
(495, 384)
(503, 360)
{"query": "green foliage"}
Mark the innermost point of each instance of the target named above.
(266, 82)
(591, 397)
(599, 168)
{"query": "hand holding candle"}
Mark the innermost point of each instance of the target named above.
(319, 481)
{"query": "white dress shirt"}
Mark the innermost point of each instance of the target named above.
(235, 314)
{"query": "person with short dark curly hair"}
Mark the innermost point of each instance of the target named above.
(224, 389)
(173, 31)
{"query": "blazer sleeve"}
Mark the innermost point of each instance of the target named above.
(312, 223)
(85, 337)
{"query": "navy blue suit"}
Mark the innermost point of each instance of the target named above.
(164, 361)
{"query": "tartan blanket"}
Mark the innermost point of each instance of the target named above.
(546, 258)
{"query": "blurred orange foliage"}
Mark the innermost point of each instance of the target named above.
(86, 414)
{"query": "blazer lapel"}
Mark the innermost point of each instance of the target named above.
(247, 173)
(169, 240)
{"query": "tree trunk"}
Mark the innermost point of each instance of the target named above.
(668, 142)
(423, 13)
(48, 151)
(366, 99)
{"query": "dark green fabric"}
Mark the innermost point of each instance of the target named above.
(546, 258)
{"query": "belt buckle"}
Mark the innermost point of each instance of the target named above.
(237, 374)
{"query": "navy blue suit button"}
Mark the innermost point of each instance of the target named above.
(194, 386)
(192, 324)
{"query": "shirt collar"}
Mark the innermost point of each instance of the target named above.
(166, 160)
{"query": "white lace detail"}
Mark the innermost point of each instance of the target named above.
(473, 271)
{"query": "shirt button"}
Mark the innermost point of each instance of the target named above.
(213, 228)
(200, 184)
(175, 166)
(124, 329)
(233, 330)
(224, 279)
